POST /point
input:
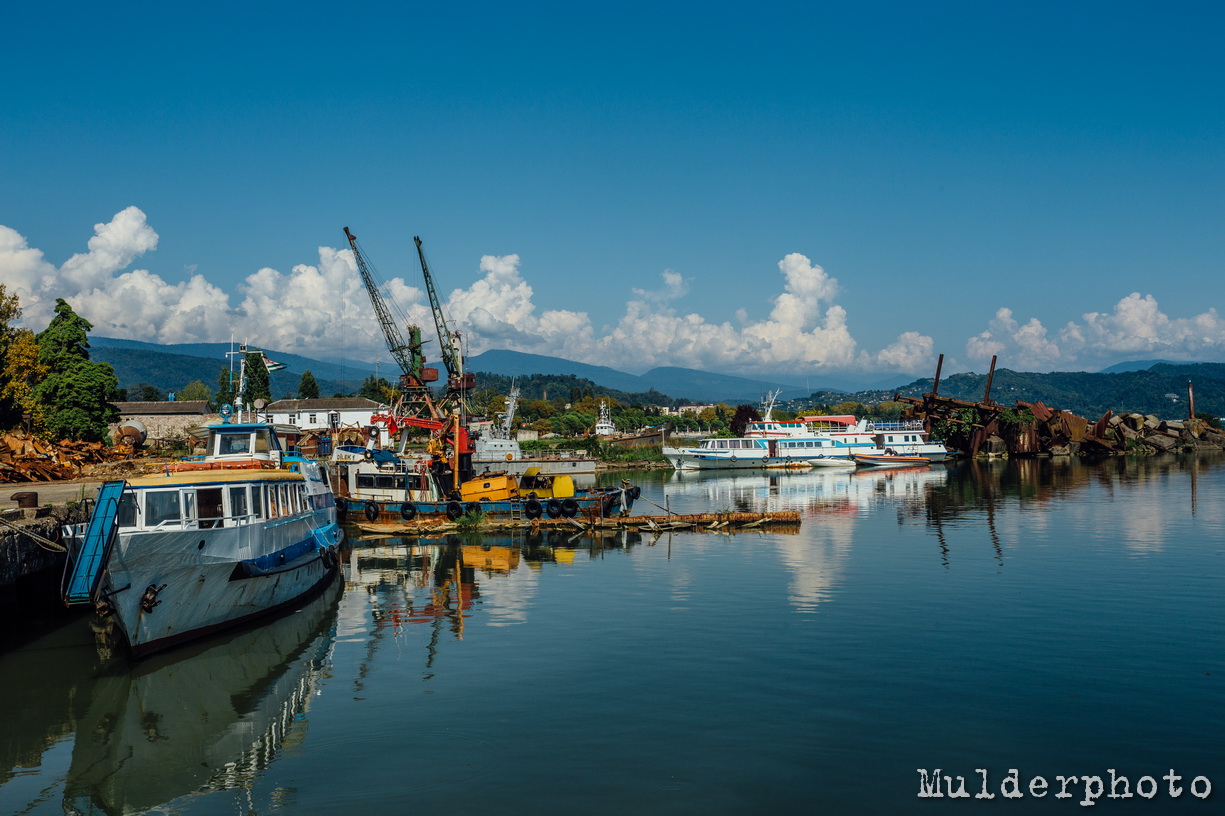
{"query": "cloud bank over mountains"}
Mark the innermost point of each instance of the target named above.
(323, 309)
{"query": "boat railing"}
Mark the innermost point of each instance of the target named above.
(906, 425)
(205, 523)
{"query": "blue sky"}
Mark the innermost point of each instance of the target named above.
(800, 188)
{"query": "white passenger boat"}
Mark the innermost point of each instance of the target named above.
(735, 453)
(246, 529)
(854, 436)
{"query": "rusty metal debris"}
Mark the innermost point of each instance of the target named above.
(1032, 428)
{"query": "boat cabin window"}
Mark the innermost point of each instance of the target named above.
(161, 506)
(211, 512)
(257, 505)
(261, 442)
(381, 481)
(238, 501)
(127, 510)
(233, 444)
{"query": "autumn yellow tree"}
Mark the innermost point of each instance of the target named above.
(20, 369)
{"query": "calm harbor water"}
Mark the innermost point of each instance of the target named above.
(1055, 617)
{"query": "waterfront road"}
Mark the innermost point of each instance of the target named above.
(56, 493)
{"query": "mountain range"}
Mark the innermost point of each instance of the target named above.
(170, 367)
(1148, 386)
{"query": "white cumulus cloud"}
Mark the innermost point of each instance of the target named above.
(324, 307)
(1137, 326)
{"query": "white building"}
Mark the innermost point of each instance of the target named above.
(307, 414)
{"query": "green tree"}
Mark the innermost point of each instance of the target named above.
(257, 386)
(307, 387)
(195, 390)
(377, 389)
(149, 393)
(75, 393)
(741, 419)
(225, 387)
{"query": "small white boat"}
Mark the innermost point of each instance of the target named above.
(244, 530)
(890, 459)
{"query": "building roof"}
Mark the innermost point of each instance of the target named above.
(330, 404)
(162, 408)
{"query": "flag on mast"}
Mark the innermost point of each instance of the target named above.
(271, 366)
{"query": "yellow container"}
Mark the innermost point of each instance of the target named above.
(494, 487)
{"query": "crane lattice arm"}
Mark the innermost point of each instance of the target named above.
(408, 355)
(459, 382)
(440, 320)
(391, 332)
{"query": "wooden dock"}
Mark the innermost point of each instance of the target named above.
(787, 521)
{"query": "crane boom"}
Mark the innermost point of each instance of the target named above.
(458, 381)
(414, 374)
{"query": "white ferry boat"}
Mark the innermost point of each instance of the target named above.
(854, 436)
(246, 529)
(742, 453)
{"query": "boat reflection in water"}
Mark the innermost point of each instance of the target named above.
(396, 586)
(202, 719)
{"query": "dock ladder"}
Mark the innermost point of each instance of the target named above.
(85, 570)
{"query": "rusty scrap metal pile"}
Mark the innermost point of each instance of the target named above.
(1030, 428)
(26, 459)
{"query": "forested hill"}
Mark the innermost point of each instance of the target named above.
(568, 387)
(1160, 390)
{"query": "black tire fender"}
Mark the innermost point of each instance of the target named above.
(569, 508)
(532, 509)
(553, 508)
(454, 510)
(408, 511)
(372, 511)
